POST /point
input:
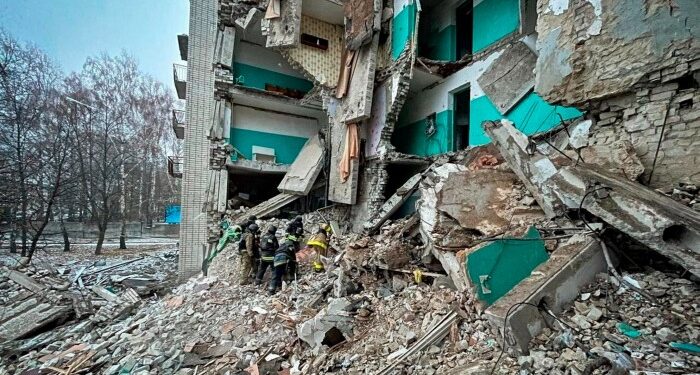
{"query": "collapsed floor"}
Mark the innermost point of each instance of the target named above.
(502, 269)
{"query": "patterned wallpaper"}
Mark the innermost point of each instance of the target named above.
(323, 65)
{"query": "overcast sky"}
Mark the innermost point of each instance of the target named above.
(70, 30)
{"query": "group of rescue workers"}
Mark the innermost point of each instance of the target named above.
(260, 252)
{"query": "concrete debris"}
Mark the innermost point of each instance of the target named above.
(393, 203)
(658, 222)
(302, 174)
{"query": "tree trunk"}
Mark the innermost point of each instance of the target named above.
(122, 235)
(100, 239)
(122, 201)
(13, 232)
(152, 198)
(66, 240)
(13, 239)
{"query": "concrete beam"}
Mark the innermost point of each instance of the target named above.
(306, 167)
(557, 282)
(657, 221)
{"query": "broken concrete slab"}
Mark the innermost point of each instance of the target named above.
(340, 191)
(495, 267)
(31, 319)
(483, 200)
(393, 203)
(510, 77)
(357, 103)
(362, 19)
(618, 158)
(533, 170)
(285, 30)
(269, 206)
(664, 225)
(303, 172)
(334, 320)
(556, 282)
(26, 281)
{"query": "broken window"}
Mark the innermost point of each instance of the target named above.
(464, 28)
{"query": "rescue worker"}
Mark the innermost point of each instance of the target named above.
(251, 220)
(268, 246)
(232, 234)
(248, 248)
(319, 242)
(285, 261)
(298, 222)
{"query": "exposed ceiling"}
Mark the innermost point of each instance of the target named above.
(324, 10)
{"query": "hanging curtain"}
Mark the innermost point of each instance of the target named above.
(352, 151)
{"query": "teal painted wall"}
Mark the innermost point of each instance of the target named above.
(531, 115)
(411, 138)
(255, 77)
(506, 262)
(402, 29)
(286, 147)
(441, 45)
(494, 19)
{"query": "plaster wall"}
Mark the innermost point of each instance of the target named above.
(323, 65)
(532, 114)
(592, 49)
(264, 58)
(286, 134)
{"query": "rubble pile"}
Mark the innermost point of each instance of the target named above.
(58, 296)
(624, 329)
(685, 193)
(515, 279)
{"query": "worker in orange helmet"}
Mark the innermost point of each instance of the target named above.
(319, 242)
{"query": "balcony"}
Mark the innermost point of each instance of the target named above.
(179, 123)
(175, 166)
(182, 41)
(180, 78)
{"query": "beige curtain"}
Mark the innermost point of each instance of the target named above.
(352, 151)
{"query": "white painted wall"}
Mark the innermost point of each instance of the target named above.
(271, 122)
(264, 58)
(438, 98)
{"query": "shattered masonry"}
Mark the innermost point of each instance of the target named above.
(513, 186)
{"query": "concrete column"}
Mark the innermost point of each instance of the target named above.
(200, 112)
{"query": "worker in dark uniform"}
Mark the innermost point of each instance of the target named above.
(268, 246)
(248, 248)
(285, 261)
(298, 222)
(251, 220)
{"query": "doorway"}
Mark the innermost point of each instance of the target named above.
(464, 28)
(460, 107)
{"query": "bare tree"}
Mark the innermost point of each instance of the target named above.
(27, 82)
(89, 148)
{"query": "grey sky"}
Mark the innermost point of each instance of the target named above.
(71, 30)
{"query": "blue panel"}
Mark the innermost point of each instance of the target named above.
(172, 214)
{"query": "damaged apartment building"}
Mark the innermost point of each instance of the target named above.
(363, 106)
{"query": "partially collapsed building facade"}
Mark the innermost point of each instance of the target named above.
(311, 103)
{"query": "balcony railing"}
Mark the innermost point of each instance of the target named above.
(175, 166)
(179, 123)
(180, 78)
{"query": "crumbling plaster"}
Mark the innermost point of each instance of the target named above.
(591, 49)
